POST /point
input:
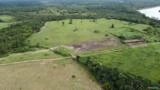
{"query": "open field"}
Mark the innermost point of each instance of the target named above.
(56, 33)
(6, 18)
(46, 75)
(5, 21)
(27, 56)
(141, 61)
(4, 25)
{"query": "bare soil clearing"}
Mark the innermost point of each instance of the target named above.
(91, 45)
(51, 75)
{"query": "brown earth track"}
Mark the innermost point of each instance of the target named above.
(91, 45)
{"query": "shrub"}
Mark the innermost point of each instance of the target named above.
(96, 31)
(112, 26)
(63, 51)
(76, 29)
(70, 21)
(106, 35)
(63, 23)
(73, 76)
(1, 20)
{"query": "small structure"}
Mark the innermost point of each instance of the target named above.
(134, 42)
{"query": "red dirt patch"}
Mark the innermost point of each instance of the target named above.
(91, 45)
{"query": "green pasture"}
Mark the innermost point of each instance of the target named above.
(5, 21)
(141, 61)
(56, 33)
(33, 55)
(6, 18)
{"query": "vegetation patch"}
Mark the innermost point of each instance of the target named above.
(126, 33)
(6, 18)
(85, 30)
(28, 56)
(141, 61)
(63, 51)
(113, 79)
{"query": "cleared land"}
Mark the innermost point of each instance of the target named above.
(141, 61)
(81, 35)
(5, 21)
(4, 25)
(46, 75)
(56, 33)
(28, 56)
(6, 18)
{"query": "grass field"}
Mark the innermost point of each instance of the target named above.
(27, 56)
(141, 61)
(4, 25)
(54, 33)
(6, 18)
(46, 75)
(6, 21)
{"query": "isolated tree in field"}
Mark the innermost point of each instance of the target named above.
(81, 20)
(70, 21)
(94, 20)
(73, 76)
(112, 26)
(96, 31)
(106, 86)
(1, 20)
(75, 29)
(106, 35)
(63, 23)
(159, 81)
(28, 42)
(38, 45)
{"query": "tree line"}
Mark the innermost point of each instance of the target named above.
(122, 12)
(13, 38)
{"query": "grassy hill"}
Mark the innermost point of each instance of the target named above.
(29, 56)
(141, 61)
(56, 33)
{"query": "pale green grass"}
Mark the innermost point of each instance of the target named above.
(35, 55)
(4, 25)
(54, 33)
(141, 61)
(6, 18)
